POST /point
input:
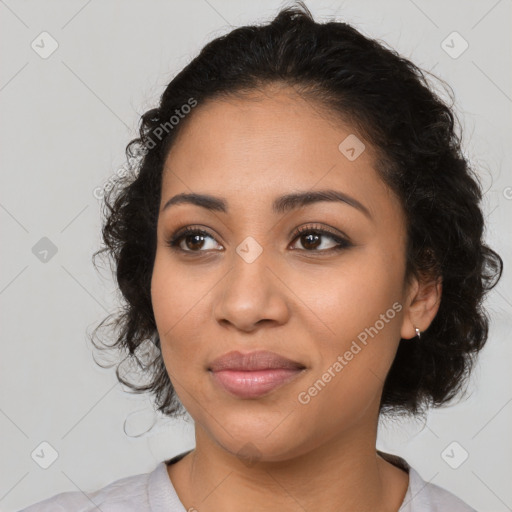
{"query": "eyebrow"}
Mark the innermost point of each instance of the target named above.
(281, 204)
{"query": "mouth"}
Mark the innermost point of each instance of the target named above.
(254, 374)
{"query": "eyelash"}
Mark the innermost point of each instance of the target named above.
(342, 243)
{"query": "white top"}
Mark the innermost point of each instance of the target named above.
(154, 492)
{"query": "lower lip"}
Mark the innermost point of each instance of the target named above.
(253, 384)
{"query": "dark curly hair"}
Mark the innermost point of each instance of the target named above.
(389, 100)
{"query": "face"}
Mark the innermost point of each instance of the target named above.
(331, 297)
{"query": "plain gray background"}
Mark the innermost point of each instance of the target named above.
(66, 118)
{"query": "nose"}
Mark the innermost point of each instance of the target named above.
(252, 294)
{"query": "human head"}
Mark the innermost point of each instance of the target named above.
(388, 101)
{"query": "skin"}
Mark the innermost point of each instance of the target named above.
(304, 302)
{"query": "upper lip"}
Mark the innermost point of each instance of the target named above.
(252, 361)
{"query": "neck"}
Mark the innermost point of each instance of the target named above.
(342, 475)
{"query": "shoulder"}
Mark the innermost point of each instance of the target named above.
(125, 494)
(422, 496)
(428, 497)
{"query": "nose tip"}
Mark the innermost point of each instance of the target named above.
(251, 295)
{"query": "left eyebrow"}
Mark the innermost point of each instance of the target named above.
(281, 204)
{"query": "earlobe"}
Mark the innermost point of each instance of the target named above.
(421, 307)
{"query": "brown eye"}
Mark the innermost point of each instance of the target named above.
(311, 238)
(190, 240)
(193, 240)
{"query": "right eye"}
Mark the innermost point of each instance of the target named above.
(194, 238)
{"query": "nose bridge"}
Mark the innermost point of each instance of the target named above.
(251, 292)
(250, 278)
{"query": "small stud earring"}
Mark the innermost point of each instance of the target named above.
(418, 332)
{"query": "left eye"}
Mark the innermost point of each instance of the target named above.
(311, 240)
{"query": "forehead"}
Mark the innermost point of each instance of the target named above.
(254, 148)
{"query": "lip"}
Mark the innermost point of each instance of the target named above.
(253, 361)
(253, 384)
(253, 374)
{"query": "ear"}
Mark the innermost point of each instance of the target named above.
(421, 306)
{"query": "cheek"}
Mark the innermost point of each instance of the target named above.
(179, 307)
(347, 299)
(356, 354)
(177, 295)
(356, 332)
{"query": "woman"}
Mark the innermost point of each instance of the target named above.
(302, 240)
